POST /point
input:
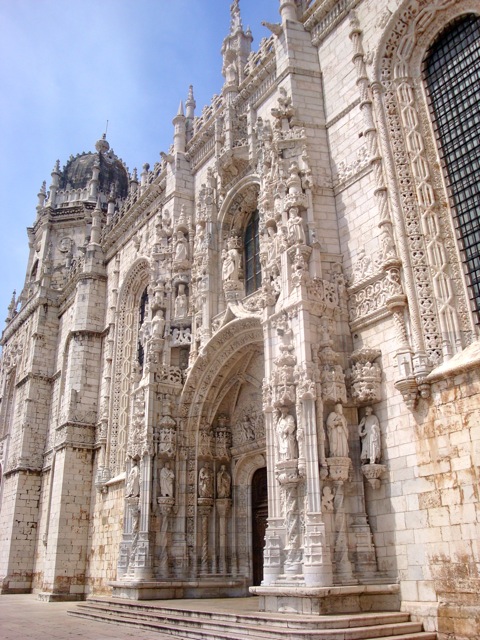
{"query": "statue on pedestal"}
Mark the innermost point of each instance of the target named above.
(369, 432)
(132, 488)
(224, 483)
(337, 429)
(286, 432)
(167, 478)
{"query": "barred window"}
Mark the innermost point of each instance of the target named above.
(452, 74)
(253, 273)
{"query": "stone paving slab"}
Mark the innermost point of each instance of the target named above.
(24, 617)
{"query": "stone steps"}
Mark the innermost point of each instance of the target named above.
(199, 622)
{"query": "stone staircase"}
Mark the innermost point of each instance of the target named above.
(238, 619)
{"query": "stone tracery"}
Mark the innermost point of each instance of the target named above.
(202, 385)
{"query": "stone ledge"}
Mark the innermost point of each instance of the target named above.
(46, 596)
(208, 587)
(327, 600)
(462, 362)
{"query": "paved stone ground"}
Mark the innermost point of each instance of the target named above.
(23, 617)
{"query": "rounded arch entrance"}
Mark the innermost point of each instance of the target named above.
(224, 431)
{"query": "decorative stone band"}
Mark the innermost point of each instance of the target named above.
(368, 304)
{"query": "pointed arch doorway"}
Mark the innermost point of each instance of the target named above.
(259, 522)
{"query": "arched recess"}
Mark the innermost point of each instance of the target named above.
(239, 202)
(226, 381)
(129, 299)
(237, 209)
(210, 368)
(418, 196)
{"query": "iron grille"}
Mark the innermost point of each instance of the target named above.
(452, 73)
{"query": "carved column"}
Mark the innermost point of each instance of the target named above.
(205, 489)
(133, 528)
(272, 553)
(339, 468)
(204, 510)
(144, 551)
(289, 480)
(224, 506)
(165, 505)
(317, 566)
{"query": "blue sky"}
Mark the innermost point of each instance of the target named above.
(68, 66)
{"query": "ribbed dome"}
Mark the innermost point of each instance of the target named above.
(78, 171)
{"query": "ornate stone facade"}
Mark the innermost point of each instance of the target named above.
(283, 290)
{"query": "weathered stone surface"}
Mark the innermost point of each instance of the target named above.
(283, 291)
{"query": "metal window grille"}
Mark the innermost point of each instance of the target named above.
(253, 272)
(452, 74)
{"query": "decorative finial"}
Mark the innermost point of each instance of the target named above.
(12, 307)
(236, 20)
(102, 145)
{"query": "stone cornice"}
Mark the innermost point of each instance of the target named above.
(42, 296)
(327, 14)
(118, 234)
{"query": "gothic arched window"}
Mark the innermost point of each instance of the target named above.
(253, 272)
(452, 74)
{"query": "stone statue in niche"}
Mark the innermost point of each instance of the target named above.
(181, 302)
(158, 325)
(274, 243)
(181, 248)
(369, 432)
(132, 488)
(337, 430)
(296, 231)
(231, 75)
(286, 432)
(201, 241)
(248, 428)
(167, 222)
(144, 332)
(167, 478)
(231, 263)
(205, 482)
(294, 182)
(224, 483)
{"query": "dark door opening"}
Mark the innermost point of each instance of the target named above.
(259, 522)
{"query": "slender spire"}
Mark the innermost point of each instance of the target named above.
(235, 49)
(55, 183)
(190, 104)
(96, 224)
(235, 17)
(179, 136)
